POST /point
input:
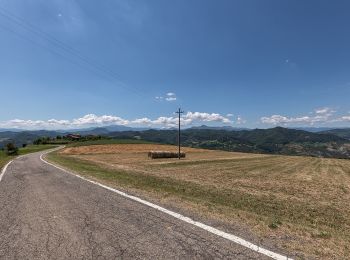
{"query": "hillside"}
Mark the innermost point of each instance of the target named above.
(344, 132)
(273, 141)
(25, 137)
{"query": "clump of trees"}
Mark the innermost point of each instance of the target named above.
(11, 149)
(65, 139)
(42, 140)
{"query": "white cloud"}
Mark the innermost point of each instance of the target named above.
(206, 117)
(229, 115)
(92, 120)
(324, 111)
(320, 115)
(187, 119)
(143, 121)
(343, 119)
(170, 96)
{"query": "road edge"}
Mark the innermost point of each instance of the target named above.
(183, 218)
(4, 169)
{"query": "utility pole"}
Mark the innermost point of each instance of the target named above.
(179, 112)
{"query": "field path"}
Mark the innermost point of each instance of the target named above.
(47, 213)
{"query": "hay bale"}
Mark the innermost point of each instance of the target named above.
(165, 154)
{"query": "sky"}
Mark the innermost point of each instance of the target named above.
(243, 63)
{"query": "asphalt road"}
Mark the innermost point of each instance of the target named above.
(46, 213)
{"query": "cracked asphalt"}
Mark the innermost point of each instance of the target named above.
(46, 213)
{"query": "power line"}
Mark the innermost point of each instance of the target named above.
(41, 45)
(97, 68)
(29, 27)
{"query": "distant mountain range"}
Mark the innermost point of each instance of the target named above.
(278, 140)
(122, 128)
(313, 129)
(226, 128)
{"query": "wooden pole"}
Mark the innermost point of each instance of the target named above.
(179, 112)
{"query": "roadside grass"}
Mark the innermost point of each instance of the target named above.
(35, 148)
(301, 202)
(3, 159)
(22, 151)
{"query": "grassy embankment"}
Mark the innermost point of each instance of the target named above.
(22, 151)
(300, 203)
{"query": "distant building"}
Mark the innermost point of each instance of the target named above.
(73, 136)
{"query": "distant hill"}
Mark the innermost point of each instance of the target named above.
(313, 129)
(227, 128)
(10, 130)
(274, 141)
(344, 132)
(25, 137)
(278, 140)
(93, 131)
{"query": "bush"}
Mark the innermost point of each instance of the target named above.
(42, 140)
(11, 149)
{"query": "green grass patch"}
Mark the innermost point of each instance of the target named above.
(35, 148)
(4, 159)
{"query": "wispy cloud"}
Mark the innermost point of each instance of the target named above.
(170, 96)
(92, 120)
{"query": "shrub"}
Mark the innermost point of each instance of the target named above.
(11, 149)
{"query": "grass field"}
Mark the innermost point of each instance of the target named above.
(22, 151)
(107, 141)
(300, 204)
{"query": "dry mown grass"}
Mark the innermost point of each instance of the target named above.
(301, 203)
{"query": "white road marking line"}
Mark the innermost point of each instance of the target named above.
(4, 169)
(188, 220)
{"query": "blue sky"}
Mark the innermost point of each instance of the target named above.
(68, 63)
